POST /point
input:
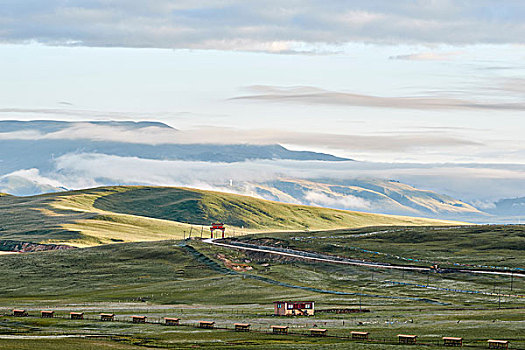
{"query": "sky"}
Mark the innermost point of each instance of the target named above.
(419, 81)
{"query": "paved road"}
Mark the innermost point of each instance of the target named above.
(337, 260)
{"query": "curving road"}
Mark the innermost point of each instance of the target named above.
(345, 261)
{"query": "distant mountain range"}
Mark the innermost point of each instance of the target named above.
(50, 126)
(18, 150)
(367, 195)
(34, 146)
(514, 207)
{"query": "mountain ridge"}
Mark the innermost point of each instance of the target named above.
(365, 194)
(22, 151)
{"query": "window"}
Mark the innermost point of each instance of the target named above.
(290, 306)
(307, 306)
(279, 306)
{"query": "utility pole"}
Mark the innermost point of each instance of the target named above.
(191, 229)
(202, 229)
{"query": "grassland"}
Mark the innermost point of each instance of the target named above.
(149, 270)
(495, 245)
(133, 213)
(194, 280)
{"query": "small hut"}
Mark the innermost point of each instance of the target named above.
(452, 341)
(280, 329)
(498, 344)
(318, 332)
(359, 335)
(47, 314)
(76, 315)
(107, 317)
(138, 319)
(242, 327)
(171, 321)
(19, 313)
(407, 339)
(206, 324)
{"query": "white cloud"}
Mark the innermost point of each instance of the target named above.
(484, 205)
(468, 182)
(255, 25)
(154, 135)
(340, 202)
(479, 184)
(427, 56)
(32, 175)
(313, 95)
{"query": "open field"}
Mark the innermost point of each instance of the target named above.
(383, 328)
(196, 281)
(135, 213)
(497, 245)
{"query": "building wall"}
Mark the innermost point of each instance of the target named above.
(279, 309)
(293, 308)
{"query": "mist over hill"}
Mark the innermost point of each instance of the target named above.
(36, 144)
(44, 156)
(367, 195)
(509, 207)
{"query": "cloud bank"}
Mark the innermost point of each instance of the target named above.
(269, 26)
(427, 56)
(155, 135)
(469, 182)
(347, 201)
(313, 95)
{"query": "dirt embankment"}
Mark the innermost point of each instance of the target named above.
(236, 266)
(26, 247)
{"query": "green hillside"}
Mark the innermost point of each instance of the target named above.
(486, 245)
(137, 213)
(202, 207)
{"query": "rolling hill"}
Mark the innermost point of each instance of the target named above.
(136, 213)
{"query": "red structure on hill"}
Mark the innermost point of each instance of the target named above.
(217, 226)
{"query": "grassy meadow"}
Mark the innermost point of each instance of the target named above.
(132, 260)
(196, 281)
